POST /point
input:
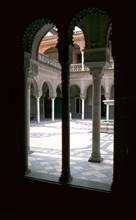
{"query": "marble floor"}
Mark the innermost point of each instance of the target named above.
(45, 142)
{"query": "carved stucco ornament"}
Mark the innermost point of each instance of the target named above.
(31, 31)
(96, 22)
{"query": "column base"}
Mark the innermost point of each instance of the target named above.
(65, 179)
(96, 159)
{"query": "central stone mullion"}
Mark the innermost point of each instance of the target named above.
(96, 115)
(64, 60)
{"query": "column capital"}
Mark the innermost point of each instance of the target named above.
(52, 95)
(96, 68)
(28, 81)
(107, 95)
(97, 73)
(28, 78)
(38, 94)
(82, 96)
(37, 97)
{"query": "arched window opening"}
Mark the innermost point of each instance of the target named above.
(97, 58)
(41, 68)
(89, 75)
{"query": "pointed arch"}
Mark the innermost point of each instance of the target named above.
(50, 86)
(94, 20)
(33, 35)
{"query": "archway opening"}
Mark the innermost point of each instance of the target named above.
(81, 78)
(45, 131)
(94, 79)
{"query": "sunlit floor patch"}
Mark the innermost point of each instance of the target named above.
(45, 141)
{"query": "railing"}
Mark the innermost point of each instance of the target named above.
(52, 62)
(73, 67)
(78, 67)
(45, 59)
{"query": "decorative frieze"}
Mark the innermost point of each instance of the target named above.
(31, 31)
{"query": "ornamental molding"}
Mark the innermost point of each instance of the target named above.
(94, 11)
(37, 38)
(31, 31)
(89, 13)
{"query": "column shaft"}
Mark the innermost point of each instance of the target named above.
(28, 113)
(82, 56)
(96, 116)
(65, 176)
(52, 109)
(107, 112)
(64, 60)
(38, 109)
(83, 108)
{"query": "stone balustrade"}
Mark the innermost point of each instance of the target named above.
(78, 67)
(48, 60)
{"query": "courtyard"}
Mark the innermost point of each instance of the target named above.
(46, 147)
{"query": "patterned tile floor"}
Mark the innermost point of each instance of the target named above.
(45, 142)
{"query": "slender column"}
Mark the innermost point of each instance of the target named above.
(28, 89)
(107, 112)
(28, 112)
(82, 56)
(27, 121)
(38, 109)
(52, 110)
(64, 60)
(43, 107)
(83, 108)
(29, 72)
(107, 95)
(96, 115)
